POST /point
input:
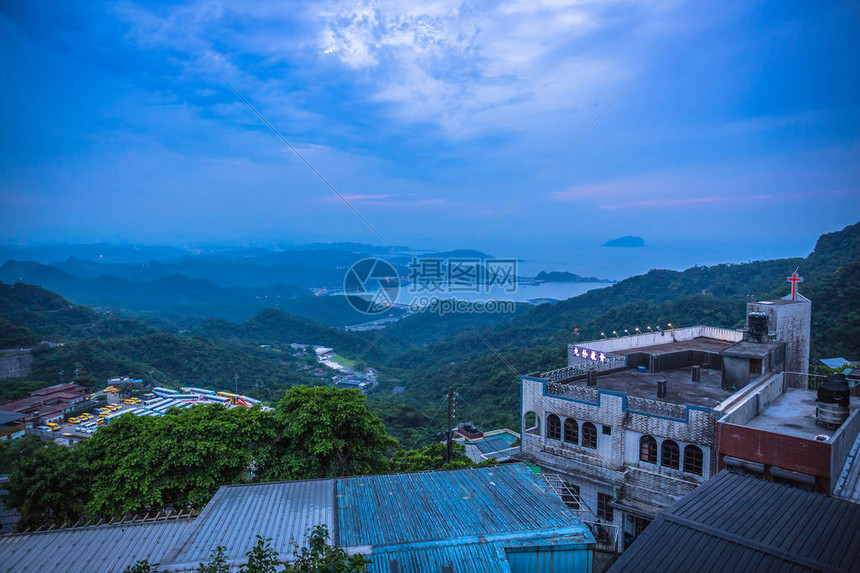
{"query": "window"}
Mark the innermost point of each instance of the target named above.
(604, 510)
(531, 423)
(648, 449)
(693, 460)
(607, 430)
(553, 427)
(571, 431)
(670, 457)
(589, 436)
(570, 495)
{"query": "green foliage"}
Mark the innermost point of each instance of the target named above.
(321, 557)
(217, 562)
(327, 432)
(13, 336)
(430, 457)
(49, 486)
(262, 558)
(12, 450)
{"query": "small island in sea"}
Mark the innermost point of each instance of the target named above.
(627, 242)
(566, 277)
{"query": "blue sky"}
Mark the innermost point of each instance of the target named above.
(739, 134)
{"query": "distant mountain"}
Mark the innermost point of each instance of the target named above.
(456, 254)
(100, 252)
(354, 247)
(565, 277)
(627, 242)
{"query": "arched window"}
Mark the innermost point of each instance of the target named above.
(693, 460)
(531, 423)
(670, 456)
(648, 449)
(589, 436)
(553, 427)
(571, 431)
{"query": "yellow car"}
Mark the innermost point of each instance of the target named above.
(74, 420)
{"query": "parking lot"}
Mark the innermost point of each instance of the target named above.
(89, 422)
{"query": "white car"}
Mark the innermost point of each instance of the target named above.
(43, 428)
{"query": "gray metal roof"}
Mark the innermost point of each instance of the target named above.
(282, 511)
(740, 523)
(6, 416)
(103, 548)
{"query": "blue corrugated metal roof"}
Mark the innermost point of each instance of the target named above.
(378, 510)
(483, 557)
(835, 363)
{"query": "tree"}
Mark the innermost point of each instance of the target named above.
(49, 486)
(181, 459)
(321, 557)
(327, 432)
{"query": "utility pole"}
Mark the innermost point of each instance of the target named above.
(236, 378)
(450, 434)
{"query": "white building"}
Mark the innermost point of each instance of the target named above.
(628, 427)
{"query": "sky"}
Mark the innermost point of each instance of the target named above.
(738, 135)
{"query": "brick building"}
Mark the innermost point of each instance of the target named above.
(630, 425)
(47, 404)
(775, 432)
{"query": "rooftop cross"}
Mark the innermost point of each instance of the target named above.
(794, 279)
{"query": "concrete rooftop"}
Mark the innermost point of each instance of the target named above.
(680, 389)
(793, 413)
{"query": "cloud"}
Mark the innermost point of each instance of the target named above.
(472, 67)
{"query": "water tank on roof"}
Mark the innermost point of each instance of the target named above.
(757, 330)
(833, 401)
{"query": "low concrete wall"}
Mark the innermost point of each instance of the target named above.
(665, 337)
(841, 443)
(15, 365)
